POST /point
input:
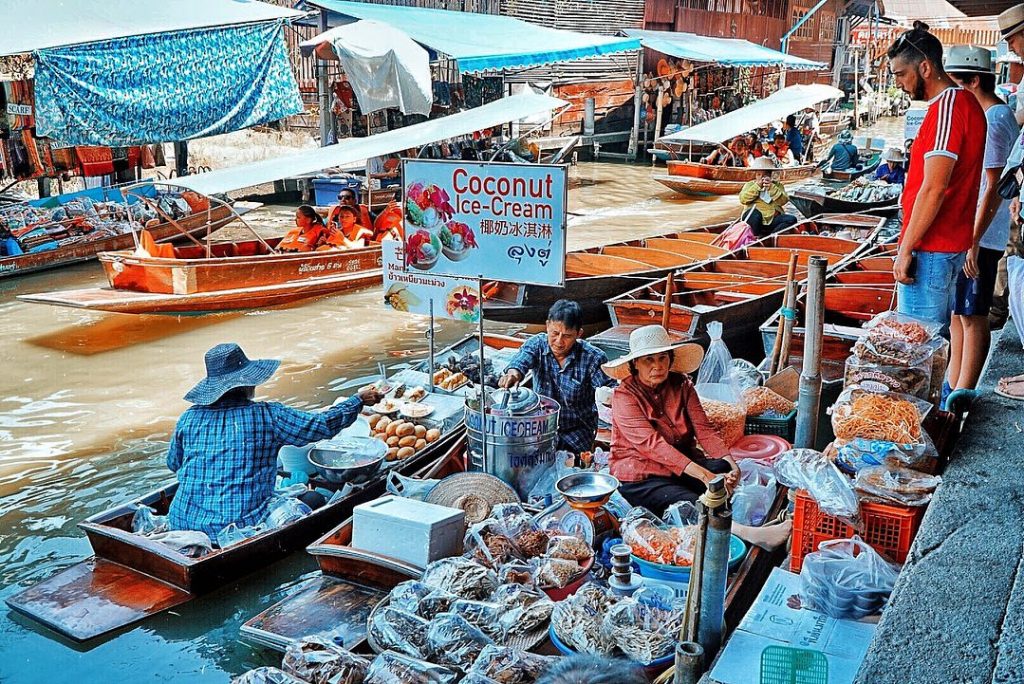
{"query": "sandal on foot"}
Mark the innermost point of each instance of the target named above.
(1011, 388)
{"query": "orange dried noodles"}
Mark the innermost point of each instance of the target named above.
(877, 416)
(760, 400)
(727, 419)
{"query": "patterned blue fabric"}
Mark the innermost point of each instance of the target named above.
(572, 387)
(165, 87)
(225, 456)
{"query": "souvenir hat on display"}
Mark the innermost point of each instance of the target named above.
(968, 59)
(1011, 21)
(763, 164)
(895, 154)
(654, 339)
(227, 367)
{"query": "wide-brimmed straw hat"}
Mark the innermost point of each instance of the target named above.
(227, 367)
(653, 339)
(895, 154)
(763, 164)
(969, 59)
(1011, 21)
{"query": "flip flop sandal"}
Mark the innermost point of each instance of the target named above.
(1011, 388)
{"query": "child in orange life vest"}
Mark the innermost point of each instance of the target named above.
(347, 234)
(308, 234)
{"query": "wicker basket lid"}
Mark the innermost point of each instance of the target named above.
(474, 493)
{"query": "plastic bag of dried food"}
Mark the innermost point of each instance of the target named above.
(516, 572)
(317, 660)
(570, 548)
(643, 630)
(755, 494)
(531, 542)
(904, 327)
(846, 579)
(723, 405)
(391, 667)
(407, 596)
(555, 573)
(510, 519)
(524, 609)
(763, 401)
(474, 678)
(484, 615)
(509, 665)
(578, 621)
(266, 675)
(892, 484)
(453, 641)
(437, 601)
(856, 454)
(461, 576)
(888, 416)
(812, 471)
(653, 541)
(146, 521)
(489, 547)
(398, 630)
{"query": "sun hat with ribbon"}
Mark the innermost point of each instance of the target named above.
(1011, 21)
(648, 340)
(227, 367)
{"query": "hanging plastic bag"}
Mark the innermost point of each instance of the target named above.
(846, 579)
(755, 494)
(317, 660)
(812, 471)
(893, 484)
(717, 363)
(146, 522)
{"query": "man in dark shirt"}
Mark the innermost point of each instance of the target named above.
(795, 140)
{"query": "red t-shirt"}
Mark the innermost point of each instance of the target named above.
(954, 127)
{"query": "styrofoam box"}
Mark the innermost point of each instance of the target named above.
(413, 531)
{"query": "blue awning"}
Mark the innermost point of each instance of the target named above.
(483, 42)
(726, 51)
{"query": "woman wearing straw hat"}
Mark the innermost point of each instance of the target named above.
(224, 447)
(892, 170)
(664, 449)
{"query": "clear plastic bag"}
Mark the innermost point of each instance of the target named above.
(233, 533)
(524, 608)
(555, 573)
(654, 541)
(717, 364)
(282, 510)
(812, 471)
(391, 667)
(509, 665)
(266, 675)
(408, 595)
(893, 484)
(755, 494)
(488, 546)
(454, 641)
(887, 416)
(318, 660)
(189, 543)
(570, 548)
(409, 487)
(147, 522)
(543, 492)
(904, 327)
(398, 630)
(855, 454)
(484, 615)
(516, 572)
(437, 601)
(723, 404)
(764, 401)
(461, 576)
(892, 365)
(578, 621)
(644, 631)
(510, 519)
(846, 579)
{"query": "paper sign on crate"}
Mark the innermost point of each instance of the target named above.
(411, 291)
(494, 220)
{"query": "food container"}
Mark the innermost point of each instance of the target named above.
(681, 573)
(348, 460)
(522, 436)
(412, 531)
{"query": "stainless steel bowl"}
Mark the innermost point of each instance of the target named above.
(328, 458)
(586, 487)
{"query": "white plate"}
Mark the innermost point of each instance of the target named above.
(425, 411)
(383, 408)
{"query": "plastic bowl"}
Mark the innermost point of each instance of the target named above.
(681, 573)
(654, 667)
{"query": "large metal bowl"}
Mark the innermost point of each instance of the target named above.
(587, 487)
(329, 458)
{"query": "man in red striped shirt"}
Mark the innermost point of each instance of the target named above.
(940, 196)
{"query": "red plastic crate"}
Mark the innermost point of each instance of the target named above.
(888, 529)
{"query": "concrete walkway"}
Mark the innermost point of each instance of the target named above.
(957, 614)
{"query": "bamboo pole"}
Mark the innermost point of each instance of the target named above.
(809, 402)
(666, 309)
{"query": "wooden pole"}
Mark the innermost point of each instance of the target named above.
(809, 401)
(777, 360)
(666, 309)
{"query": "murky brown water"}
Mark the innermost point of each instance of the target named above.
(87, 402)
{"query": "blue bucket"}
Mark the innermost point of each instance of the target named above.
(681, 573)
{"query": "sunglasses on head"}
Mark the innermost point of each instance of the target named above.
(904, 40)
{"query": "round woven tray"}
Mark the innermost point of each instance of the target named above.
(474, 493)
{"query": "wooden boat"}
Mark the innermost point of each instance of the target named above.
(831, 123)
(871, 160)
(599, 273)
(812, 204)
(85, 250)
(695, 178)
(131, 577)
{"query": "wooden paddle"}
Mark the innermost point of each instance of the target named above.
(666, 309)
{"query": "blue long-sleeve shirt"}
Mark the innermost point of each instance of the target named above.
(896, 174)
(796, 143)
(225, 456)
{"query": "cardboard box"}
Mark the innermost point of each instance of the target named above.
(773, 620)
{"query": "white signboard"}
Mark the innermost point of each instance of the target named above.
(411, 291)
(912, 123)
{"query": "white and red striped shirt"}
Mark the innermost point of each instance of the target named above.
(953, 127)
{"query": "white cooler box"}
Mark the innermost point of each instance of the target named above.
(413, 531)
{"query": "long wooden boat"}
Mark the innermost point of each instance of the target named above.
(831, 123)
(695, 178)
(812, 204)
(871, 161)
(596, 274)
(131, 577)
(85, 250)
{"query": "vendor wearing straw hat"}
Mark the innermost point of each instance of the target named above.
(892, 169)
(224, 447)
(765, 199)
(664, 448)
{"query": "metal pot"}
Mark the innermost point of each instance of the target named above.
(348, 460)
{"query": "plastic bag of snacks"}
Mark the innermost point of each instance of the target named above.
(855, 454)
(555, 573)
(571, 548)
(892, 365)
(812, 471)
(644, 627)
(846, 579)
(763, 401)
(723, 405)
(578, 621)
(654, 541)
(317, 660)
(524, 608)
(904, 327)
(509, 665)
(454, 642)
(460, 576)
(398, 630)
(893, 484)
(488, 546)
(886, 416)
(396, 668)
(484, 615)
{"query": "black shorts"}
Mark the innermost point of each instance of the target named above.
(974, 295)
(658, 493)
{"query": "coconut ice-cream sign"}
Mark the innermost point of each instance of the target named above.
(495, 221)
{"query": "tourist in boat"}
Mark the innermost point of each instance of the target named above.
(346, 232)
(737, 154)
(970, 336)
(779, 151)
(308, 234)
(347, 198)
(664, 449)
(566, 368)
(844, 155)
(938, 216)
(794, 138)
(224, 447)
(892, 170)
(765, 199)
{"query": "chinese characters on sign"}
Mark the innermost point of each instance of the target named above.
(495, 220)
(410, 291)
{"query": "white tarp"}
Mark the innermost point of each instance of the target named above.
(761, 113)
(40, 24)
(351, 150)
(386, 67)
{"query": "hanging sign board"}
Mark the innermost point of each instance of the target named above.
(912, 123)
(411, 291)
(494, 220)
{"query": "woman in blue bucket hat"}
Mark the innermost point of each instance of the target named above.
(224, 447)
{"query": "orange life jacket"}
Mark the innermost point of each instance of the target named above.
(302, 239)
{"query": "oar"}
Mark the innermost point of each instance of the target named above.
(788, 322)
(666, 309)
(777, 360)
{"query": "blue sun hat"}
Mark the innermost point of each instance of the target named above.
(227, 367)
